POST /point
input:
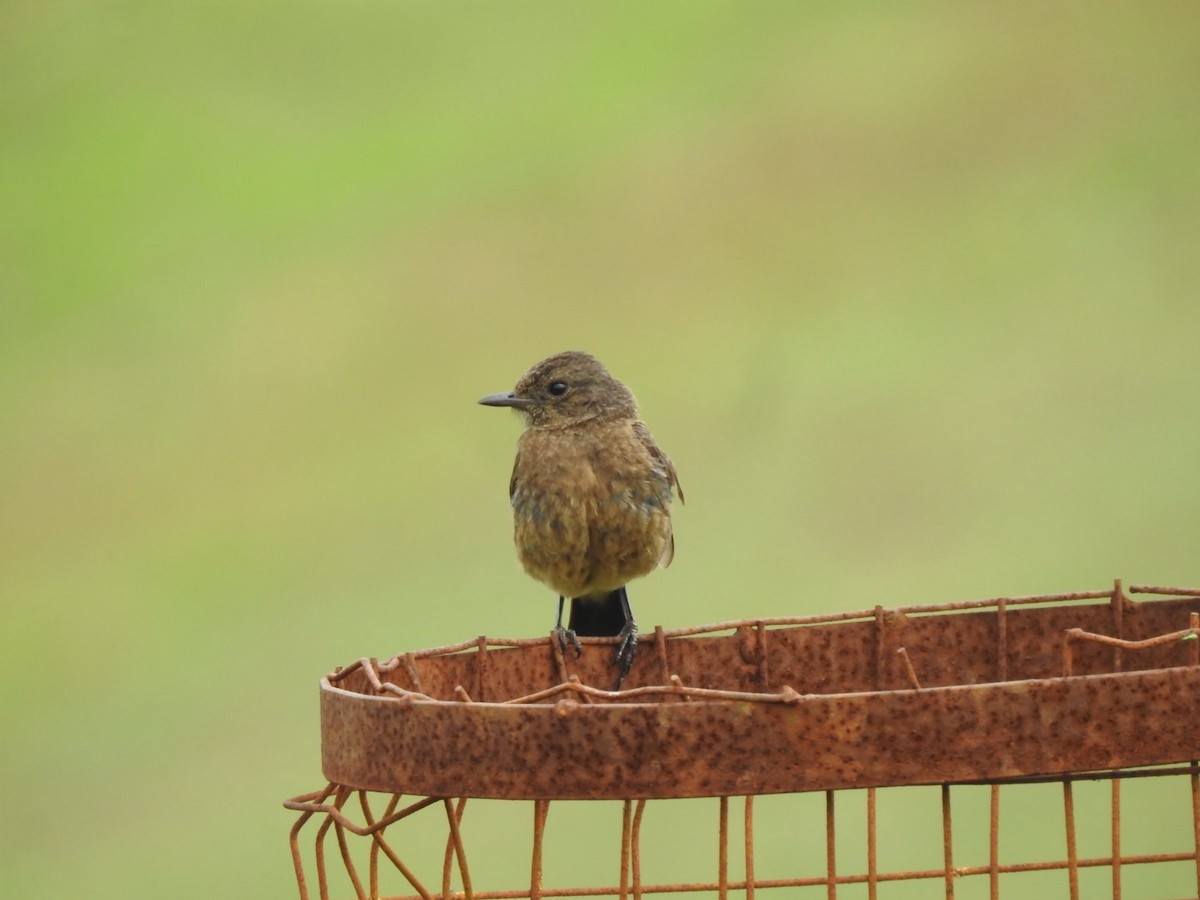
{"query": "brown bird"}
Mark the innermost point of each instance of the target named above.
(591, 495)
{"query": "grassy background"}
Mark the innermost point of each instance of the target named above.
(908, 293)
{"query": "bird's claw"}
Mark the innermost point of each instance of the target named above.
(568, 638)
(626, 649)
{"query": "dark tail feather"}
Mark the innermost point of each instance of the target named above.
(601, 617)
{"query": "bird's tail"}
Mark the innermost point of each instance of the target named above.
(602, 616)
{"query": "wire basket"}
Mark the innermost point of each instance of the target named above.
(861, 709)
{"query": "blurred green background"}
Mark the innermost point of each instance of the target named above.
(908, 292)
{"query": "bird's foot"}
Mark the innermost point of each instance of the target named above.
(626, 649)
(568, 638)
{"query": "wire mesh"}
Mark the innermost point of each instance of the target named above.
(728, 864)
(851, 844)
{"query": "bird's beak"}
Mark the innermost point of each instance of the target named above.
(507, 398)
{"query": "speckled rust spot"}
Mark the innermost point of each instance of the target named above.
(719, 715)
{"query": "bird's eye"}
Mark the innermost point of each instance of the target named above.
(557, 388)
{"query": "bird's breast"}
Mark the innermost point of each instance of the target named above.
(589, 515)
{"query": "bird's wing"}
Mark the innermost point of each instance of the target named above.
(668, 552)
(668, 469)
(661, 458)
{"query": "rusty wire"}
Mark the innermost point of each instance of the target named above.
(332, 799)
(1130, 650)
(568, 684)
(1073, 636)
(408, 659)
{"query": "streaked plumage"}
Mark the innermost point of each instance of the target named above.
(591, 492)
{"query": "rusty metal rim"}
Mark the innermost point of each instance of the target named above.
(902, 698)
(719, 748)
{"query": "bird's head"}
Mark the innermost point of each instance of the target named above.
(567, 389)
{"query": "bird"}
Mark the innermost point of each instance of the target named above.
(591, 496)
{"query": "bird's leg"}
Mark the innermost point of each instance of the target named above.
(628, 639)
(566, 636)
